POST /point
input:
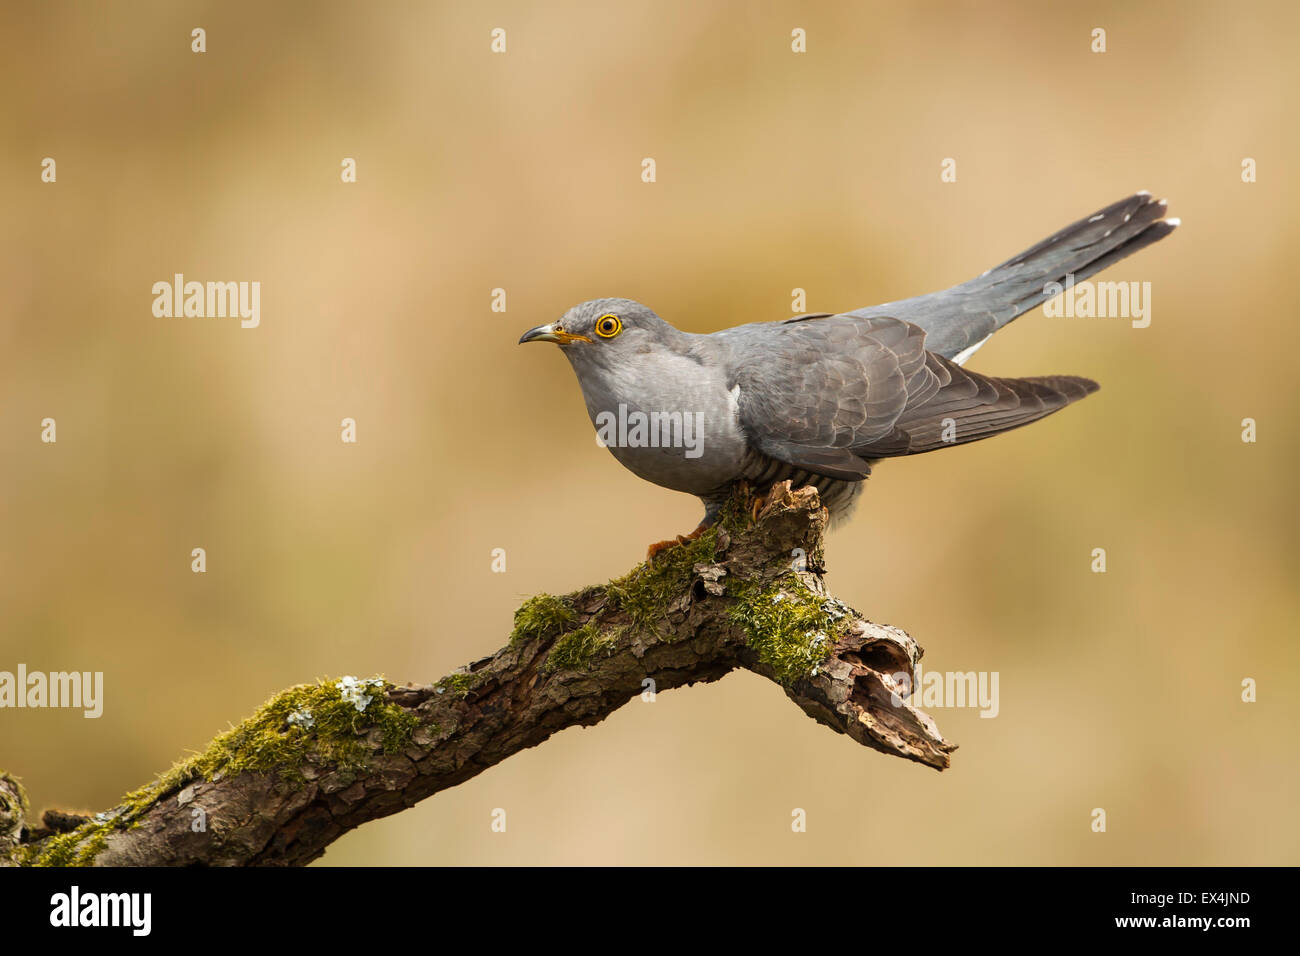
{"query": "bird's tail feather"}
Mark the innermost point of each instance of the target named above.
(996, 405)
(958, 320)
(1081, 249)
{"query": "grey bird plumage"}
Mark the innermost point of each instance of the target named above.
(820, 399)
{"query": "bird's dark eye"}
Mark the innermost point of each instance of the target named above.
(608, 326)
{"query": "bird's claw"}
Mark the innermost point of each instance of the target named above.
(659, 547)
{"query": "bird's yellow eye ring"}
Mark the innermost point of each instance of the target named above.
(608, 325)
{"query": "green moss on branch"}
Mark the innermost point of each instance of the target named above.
(577, 649)
(644, 594)
(792, 627)
(541, 617)
(458, 685)
(324, 723)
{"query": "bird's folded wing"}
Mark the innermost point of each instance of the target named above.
(829, 395)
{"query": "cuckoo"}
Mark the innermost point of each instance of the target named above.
(819, 399)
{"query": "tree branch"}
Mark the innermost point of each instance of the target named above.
(320, 760)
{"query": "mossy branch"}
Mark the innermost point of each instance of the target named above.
(319, 760)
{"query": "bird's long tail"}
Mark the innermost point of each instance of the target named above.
(958, 320)
(1081, 249)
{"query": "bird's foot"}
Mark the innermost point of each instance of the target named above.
(659, 547)
(757, 497)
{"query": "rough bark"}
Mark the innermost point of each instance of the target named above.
(520, 696)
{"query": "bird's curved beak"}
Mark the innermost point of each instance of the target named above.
(551, 333)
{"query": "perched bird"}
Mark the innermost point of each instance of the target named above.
(818, 399)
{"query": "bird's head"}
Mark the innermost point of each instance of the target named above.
(602, 330)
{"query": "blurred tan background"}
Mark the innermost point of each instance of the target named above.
(775, 171)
